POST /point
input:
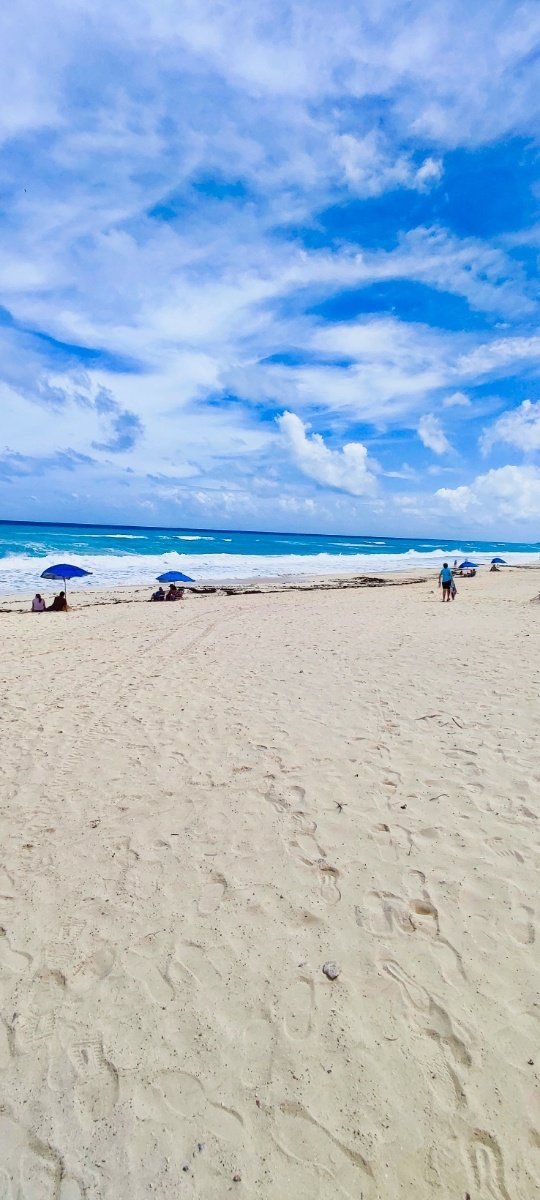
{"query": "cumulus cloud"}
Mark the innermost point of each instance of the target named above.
(456, 400)
(370, 167)
(348, 470)
(169, 269)
(519, 427)
(506, 493)
(432, 435)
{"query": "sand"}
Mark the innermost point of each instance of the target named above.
(201, 805)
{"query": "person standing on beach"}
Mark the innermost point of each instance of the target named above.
(446, 580)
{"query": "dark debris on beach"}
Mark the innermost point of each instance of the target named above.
(140, 596)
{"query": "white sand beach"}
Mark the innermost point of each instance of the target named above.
(201, 805)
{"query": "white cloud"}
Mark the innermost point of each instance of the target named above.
(496, 355)
(453, 75)
(507, 493)
(456, 400)
(118, 239)
(371, 168)
(428, 174)
(348, 470)
(432, 435)
(519, 427)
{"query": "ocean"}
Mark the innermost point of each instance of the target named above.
(124, 554)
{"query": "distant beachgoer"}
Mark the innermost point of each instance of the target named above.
(446, 580)
(159, 595)
(494, 567)
(38, 603)
(172, 593)
(59, 603)
(455, 564)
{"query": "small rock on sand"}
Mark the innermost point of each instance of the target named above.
(331, 970)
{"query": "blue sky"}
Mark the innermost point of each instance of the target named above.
(271, 266)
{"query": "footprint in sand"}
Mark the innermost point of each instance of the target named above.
(258, 1041)
(147, 973)
(212, 895)
(423, 917)
(522, 918)
(486, 1165)
(96, 1089)
(391, 780)
(282, 798)
(40, 1173)
(523, 929)
(7, 885)
(392, 841)
(329, 887)
(34, 1023)
(305, 848)
(94, 968)
(61, 954)
(387, 915)
(382, 914)
(303, 823)
(61, 1074)
(31, 1030)
(301, 1138)
(500, 847)
(299, 1001)
(186, 1096)
(431, 1018)
(30, 1168)
(123, 854)
(15, 961)
(171, 1093)
(193, 962)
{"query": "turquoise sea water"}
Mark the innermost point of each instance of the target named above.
(129, 554)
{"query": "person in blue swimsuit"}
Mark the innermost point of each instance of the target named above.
(446, 580)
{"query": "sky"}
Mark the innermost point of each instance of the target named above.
(271, 266)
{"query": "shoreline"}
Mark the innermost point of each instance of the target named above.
(139, 593)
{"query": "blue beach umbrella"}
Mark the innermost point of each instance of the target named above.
(174, 577)
(64, 571)
(501, 561)
(466, 565)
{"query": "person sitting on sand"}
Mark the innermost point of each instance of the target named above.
(159, 595)
(59, 603)
(172, 594)
(38, 603)
(446, 580)
(494, 567)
